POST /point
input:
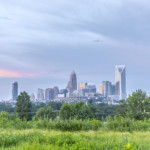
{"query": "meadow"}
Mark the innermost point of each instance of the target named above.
(40, 139)
(111, 133)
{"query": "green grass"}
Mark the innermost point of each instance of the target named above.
(36, 139)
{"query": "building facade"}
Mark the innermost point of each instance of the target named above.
(14, 90)
(72, 84)
(106, 85)
(82, 85)
(113, 89)
(120, 78)
(56, 92)
(101, 89)
(49, 94)
(40, 95)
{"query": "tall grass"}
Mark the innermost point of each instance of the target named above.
(126, 124)
(8, 121)
(68, 125)
(83, 140)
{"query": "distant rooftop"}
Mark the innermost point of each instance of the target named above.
(73, 73)
(120, 66)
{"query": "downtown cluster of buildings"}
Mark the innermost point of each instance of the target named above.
(107, 92)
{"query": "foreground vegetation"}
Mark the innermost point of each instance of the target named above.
(10, 121)
(76, 126)
(56, 140)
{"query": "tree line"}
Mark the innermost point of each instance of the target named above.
(137, 107)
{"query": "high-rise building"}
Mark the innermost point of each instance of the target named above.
(113, 89)
(82, 85)
(72, 84)
(32, 97)
(120, 78)
(14, 90)
(101, 89)
(56, 92)
(91, 88)
(40, 95)
(64, 92)
(106, 88)
(49, 94)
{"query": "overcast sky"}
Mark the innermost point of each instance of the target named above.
(41, 42)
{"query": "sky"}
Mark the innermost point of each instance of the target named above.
(41, 42)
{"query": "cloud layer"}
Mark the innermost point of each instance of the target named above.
(51, 38)
(13, 74)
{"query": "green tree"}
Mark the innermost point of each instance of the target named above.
(122, 108)
(55, 105)
(93, 109)
(46, 112)
(82, 111)
(36, 107)
(76, 111)
(24, 106)
(138, 105)
(105, 110)
(6, 107)
(67, 111)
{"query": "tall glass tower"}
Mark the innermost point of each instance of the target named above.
(120, 78)
(14, 90)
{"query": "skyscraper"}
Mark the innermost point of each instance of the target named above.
(40, 95)
(72, 84)
(120, 78)
(14, 90)
(56, 92)
(106, 85)
(113, 89)
(47, 94)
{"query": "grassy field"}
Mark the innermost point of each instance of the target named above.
(36, 139)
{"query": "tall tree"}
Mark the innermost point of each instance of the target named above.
(122, 108)
(67, 111)
(24, 106)
(76, 111)
(138, 105)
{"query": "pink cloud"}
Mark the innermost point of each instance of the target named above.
(14, 74)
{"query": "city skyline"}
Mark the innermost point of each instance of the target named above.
(41, 42)
(109, 90)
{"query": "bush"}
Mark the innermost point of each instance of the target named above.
(126, 124)
(47, 113)
(68, 125)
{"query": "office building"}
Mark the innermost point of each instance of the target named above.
(40, 95)
(64, 92)
(72, 84)
(120, 78)
(56, 92)
(14, 90)
(49, 94)
(82, 86)
(106, 85)
(113, 89)
(101, 89)
(91, 88)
